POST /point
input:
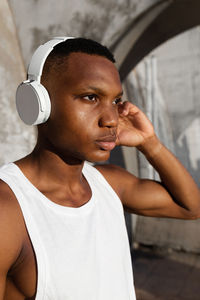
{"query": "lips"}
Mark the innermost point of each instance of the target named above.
(107, 143)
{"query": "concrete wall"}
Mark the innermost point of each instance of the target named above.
(39, 20)
(179, 81)
(179, 78)
(16, 139)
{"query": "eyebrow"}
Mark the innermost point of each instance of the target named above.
(98, 90)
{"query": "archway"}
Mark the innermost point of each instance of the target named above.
(148, 31)
(161, 22)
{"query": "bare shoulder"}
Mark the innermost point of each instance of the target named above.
(11, 228)
(8, 202)
(117, 177)
(115, 172)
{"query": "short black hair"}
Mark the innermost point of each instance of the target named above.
(61, 51)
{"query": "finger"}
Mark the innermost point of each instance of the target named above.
(127, 108)
(124, 108)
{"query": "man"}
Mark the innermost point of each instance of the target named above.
(62, 231)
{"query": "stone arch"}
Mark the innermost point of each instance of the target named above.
(149, 30)
(160, 22)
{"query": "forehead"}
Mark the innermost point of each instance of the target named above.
(81, 67)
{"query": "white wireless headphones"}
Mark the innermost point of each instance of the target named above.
(32, 99)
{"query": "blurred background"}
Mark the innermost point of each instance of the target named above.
(157, 48)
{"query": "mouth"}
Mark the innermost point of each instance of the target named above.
(107, 143)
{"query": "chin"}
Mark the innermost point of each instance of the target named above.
(101, 156)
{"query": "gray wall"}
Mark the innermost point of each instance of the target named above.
(179, 79)
(178, 62)
(16, 139)
(39, 20)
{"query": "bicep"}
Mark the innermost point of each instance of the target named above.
(10, 234)
(150, 198)
(142, 196)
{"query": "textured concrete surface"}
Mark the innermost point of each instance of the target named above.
(16, 139)
(105, 21)
(166, 275)
(177, 234)
(178, 78)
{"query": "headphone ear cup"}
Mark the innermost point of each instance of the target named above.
(33, 103)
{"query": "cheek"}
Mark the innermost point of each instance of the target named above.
(73, 120)
(77, 121)
(82, 120)
(75, 128)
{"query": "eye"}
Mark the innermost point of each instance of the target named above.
(117, 101)
(91, 97)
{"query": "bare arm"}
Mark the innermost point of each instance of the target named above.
(10, 239)
(174, 177)
(177, 196)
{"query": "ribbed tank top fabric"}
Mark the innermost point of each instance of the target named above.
(82, 253)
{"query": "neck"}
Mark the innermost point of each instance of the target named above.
(57, 176)
(46, 164)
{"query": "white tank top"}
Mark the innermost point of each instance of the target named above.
(82, 253)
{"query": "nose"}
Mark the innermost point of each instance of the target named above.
(109, 117)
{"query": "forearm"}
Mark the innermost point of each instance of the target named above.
(174, 176)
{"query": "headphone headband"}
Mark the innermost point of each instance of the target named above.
(39, 57)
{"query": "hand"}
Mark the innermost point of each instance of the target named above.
(134, 128)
